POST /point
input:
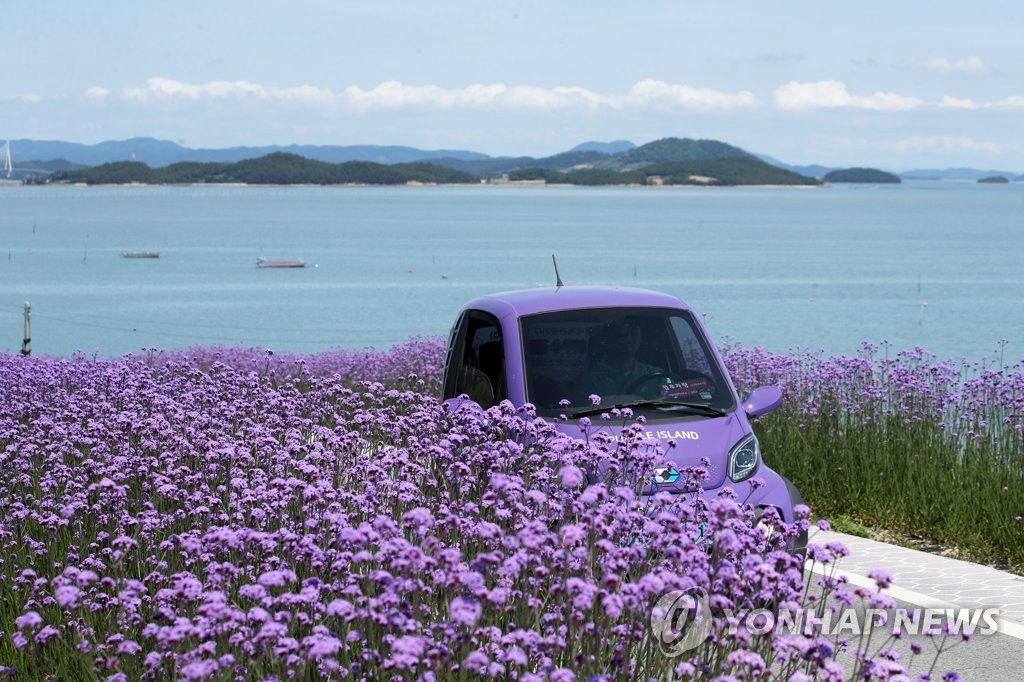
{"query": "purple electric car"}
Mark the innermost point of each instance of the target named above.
(634, 348)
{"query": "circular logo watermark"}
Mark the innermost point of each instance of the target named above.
(681, 621)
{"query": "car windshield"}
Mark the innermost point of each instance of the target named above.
(624, 355)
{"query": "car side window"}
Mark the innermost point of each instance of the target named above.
(476, 365)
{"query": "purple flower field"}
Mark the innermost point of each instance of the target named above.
(234, 514)
(905, 441)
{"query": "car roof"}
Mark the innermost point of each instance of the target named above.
(545, 299)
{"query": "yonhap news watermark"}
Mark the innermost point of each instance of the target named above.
(682, 620)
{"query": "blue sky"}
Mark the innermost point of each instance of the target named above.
(897, 84)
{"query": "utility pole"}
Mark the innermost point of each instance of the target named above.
(26, 344)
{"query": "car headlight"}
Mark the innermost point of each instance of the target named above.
(743, 458)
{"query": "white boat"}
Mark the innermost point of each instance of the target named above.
(264, 263)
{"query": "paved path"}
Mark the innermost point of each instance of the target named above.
(932, 581)
(941, 580)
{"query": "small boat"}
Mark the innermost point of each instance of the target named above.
(140, 254)
(264, 263)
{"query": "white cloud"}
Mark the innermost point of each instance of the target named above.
(96, 93)
(829, 94)
(1011, 102)
(645, 94)
(29, 97)
(972, 65)
(396, 95)
(167, 88)
(948, 102)
(948, 143)
(688, 97)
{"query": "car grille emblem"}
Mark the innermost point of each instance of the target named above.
(665, 475)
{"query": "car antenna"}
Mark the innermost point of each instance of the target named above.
(558, 278)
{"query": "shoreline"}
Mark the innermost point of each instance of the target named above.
(511, 185)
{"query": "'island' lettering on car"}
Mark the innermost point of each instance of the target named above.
(684, 435)
(668, 435)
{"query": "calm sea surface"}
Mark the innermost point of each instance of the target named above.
(939, 265)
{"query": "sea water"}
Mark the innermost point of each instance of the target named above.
(934, 264)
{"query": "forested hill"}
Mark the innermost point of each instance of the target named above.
(273, 169)
(668, 161)
(679, 149)
(708, 172)
(665, 150)
(862, 175)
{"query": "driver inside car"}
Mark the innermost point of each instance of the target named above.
(615, 369)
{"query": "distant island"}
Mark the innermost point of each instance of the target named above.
(862, 175)
(669, 161)
(995, 180)
(278, 168)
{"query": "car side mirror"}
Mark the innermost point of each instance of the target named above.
(762, 401)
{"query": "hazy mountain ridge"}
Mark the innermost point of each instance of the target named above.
(158, 153)
(972, 174)
(815, 170)
(155, 152)
(613, 147)
(499, 165)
